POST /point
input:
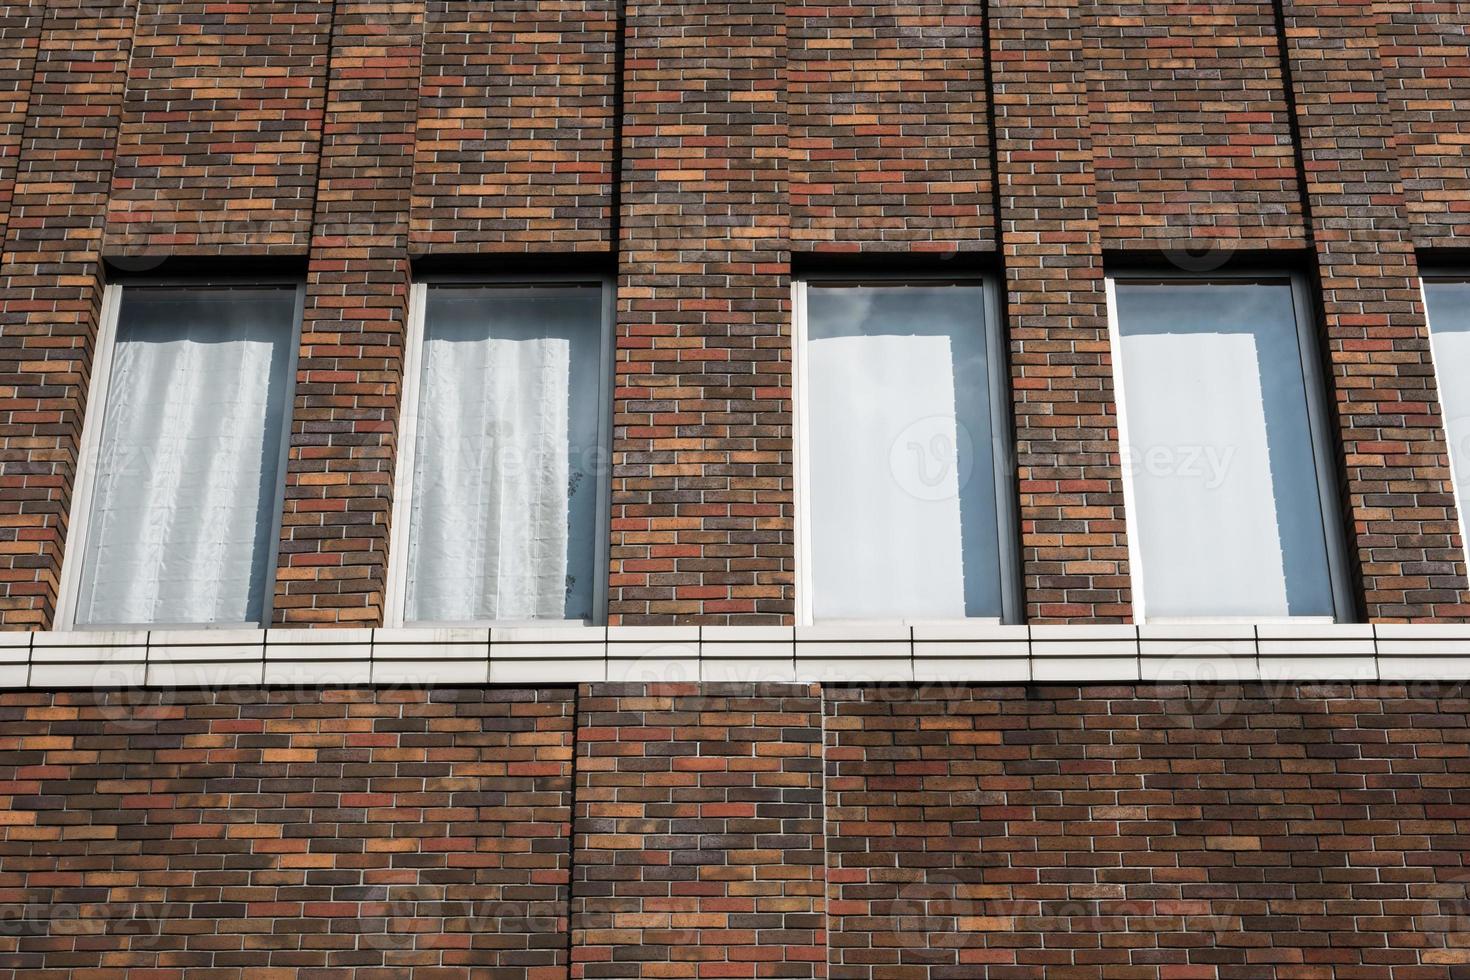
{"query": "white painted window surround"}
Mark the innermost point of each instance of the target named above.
(1447, 302)
(905, 488)
(178, 496)
(501, 502)
(1227, 471)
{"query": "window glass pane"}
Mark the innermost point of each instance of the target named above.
(508, 467)
(1449, 327)
(183, 506)
(902, 515)
(1228, 513)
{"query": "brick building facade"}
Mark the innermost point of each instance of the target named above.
(697, 783)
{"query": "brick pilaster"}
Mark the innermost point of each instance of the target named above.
(51, 289)
(339, 482)
(702, 476)
(1074, 546)
(1404, 528)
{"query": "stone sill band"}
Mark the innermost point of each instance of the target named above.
(853, 653)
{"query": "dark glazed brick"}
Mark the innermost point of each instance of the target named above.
(334, 533)
(698, 832)
(515, 131)
(1074, 549)
(221, 130)
(702, 477)
(338, 834)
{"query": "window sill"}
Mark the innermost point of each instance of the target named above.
(969, 653)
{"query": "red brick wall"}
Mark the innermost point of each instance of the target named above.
(1074, 547)
(1192, 141)
(330, 834)
(51, 289)
(698, 848)
(1155, 832)
(20, 33)
(692, 149)
(515, 130)
(701, 480)
(1425, 51)
(334, 534)
(221, 131)
(889, 142)
(1400, 503)
(1152, 832)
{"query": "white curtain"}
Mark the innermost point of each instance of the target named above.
(503, 512)
(902, 514)
(182, 511)
(1228, 514)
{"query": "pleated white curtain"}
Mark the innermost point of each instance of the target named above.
(500, 527)
(182, 509)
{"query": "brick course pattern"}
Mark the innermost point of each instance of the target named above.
(691, 150)
(334, 532)
(221, 128)
(20, 35)
(1152, 832)
(698, 848)
(51, 281)
(1074, 546)
(1192, 142)
(889, 138)
(702, 477)
(761, 831)
(1400, 503)
(515, 132)
(333, 835)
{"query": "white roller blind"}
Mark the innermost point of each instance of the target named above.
(183, 505)
(1219, 452)
(902, 507)
(506, 474)
(1449, 328)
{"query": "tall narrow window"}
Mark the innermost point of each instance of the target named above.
(1448, 300)
(181, 477)
(905, 495)
(1225, 451)
(505, 499)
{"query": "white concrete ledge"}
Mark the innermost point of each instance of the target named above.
(842, 653)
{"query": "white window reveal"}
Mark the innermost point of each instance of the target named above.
(906, 489)
(1233, 510)
(1448, 302)
(180, 485)
(506, 481)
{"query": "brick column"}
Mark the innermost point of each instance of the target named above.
(51, 290)
(1404, 527)
(698, 832)
(1073, 542)
(702, 521)
(515, 135)
(20, 36)
(334, 533)
(1425, 50)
